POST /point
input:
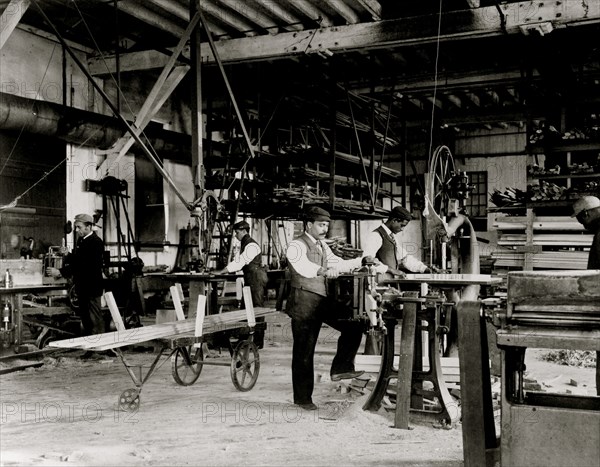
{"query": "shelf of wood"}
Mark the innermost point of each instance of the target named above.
(554, 176)
(566, 146)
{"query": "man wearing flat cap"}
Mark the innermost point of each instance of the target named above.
(250, 263)
(587, 212)
(311, 262)
(382, 244)
(85, 265)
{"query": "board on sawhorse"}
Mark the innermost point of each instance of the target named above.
(181, 339)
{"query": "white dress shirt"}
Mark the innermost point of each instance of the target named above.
(373, 244)
(297, 254)
(251, 251)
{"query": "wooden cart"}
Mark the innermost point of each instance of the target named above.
(181, 343)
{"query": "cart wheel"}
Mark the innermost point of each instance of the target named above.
(245, 365)
(186, 365)
(129, 400)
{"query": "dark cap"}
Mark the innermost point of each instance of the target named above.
(401, 213)
(242, 225)
(85, 218)
(316, 214)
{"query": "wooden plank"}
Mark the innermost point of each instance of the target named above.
(114, 311)
(10, 18)
(405, 366)
(200, 312)
(177, 302)
(537, 337)
(113, 340)
(249, 306)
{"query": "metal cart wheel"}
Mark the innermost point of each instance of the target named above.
(129, 400)
(245, 365)
(186, 365)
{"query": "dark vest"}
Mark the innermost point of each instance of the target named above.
(256, 261)
(317, 284)
(387, 253)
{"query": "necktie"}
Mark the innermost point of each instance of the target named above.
(322, 251)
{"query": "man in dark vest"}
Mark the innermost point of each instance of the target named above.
(382, 244)
(311, 262)
(587, 211)
(250, 263)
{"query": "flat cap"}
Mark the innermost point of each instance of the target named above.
(316, 214)
(241, 225)
(401, 213)
(86, 218)
(584, 203)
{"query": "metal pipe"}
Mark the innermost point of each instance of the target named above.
(80, 126)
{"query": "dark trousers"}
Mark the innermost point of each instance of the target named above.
(90, 312)
(308, 312)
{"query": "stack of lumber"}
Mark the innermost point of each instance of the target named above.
(559, 233)
(372, 364)
(343, 249)
(543, 260)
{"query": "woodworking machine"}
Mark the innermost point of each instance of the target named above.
(548, 310)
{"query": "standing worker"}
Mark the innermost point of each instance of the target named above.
(84, 265)
(587, 212)
(382, 244)
(255, 276)
(311, 263)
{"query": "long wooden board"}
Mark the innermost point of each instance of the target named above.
(116, 339)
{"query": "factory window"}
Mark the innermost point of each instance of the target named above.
(476, 204)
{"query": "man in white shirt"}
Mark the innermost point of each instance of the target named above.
(311, 263)
(383, 245)
(255, 276)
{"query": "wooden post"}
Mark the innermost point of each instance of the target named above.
(475, 386)
(200, 312)
(405, 365)
(114, 311)
(177, 302)
(249, 307)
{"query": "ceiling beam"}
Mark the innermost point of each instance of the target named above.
(464, 24)
(227, 18)
(373, 7)
(312, 12)
(177, 9)
(10, 18)
(252, 14)
(149, 17)
(344, 10)
(294, 23)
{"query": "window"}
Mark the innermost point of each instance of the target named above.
(476, 204)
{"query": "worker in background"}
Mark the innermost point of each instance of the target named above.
(383, 245)
(311, 262)
(587, 211)
(255, 276)
(85, 265)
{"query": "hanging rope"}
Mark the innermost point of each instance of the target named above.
(435, 77)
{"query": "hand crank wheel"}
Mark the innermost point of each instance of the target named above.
(129, 400)
(245, 365)
(186, 365)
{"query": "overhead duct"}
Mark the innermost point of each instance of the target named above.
(82, 127)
